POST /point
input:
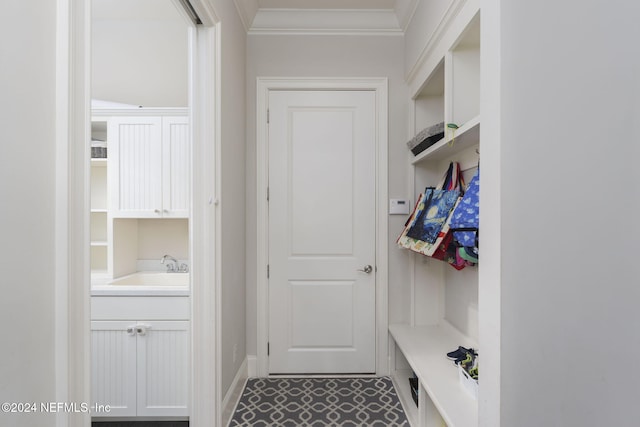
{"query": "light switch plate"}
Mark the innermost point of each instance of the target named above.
(399, 207)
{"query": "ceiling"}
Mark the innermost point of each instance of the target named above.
(326, 4)
(282, 16)
(138, 10)
(326, 16)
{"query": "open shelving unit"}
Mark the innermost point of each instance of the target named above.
(444, 302)
(98, 202)
(424, 347)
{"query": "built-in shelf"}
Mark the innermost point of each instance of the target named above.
(425, 349)
(464, 137)
(401, 383)
(98, 162)
(99, 243)
(99, 211)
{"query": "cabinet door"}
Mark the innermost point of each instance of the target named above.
(163, 369)
(135, 167)
(113, 367)
(176, 160)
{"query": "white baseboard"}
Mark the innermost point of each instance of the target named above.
(233, 394)
(252, 366)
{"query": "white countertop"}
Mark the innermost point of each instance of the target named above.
(143, 283)
(110, 290)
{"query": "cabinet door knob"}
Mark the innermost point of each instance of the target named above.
(131, 330)
(157, 211)
(141, 329)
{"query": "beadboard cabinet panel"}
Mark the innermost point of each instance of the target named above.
(163, 378)
(176, 166)
(140, 368)
(149, 164)
(113, 367)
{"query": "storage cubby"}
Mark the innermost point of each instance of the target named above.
(463, 76)
(98, 227)
(429, 103)
(98, 259)
(444, 302)
(142, 239)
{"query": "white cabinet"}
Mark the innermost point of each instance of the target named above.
(444, 302)
(113, 367)
(162, 368)
(140, 356)
(146, 175)
(149, 158)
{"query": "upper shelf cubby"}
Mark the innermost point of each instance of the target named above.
(451, 94)
(462, 78)
(429, 104)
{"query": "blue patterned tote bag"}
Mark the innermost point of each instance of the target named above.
(452, 180)
(438, 206)
(465, 219)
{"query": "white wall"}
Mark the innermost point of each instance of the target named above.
(332, 56)
(139, 53)
(426, 18)
(157, 237)
(232, 198)
(27, 188)
(570, 290)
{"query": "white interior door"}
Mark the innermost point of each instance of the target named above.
(322, 232)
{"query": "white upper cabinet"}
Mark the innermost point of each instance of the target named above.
(149, 167)
(175, 171)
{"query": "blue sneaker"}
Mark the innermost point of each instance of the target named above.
(461, 354)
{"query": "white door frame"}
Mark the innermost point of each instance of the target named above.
(72, 295)
(380, 87)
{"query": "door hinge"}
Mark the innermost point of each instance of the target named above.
(267, 271)
(267, 116)
(267, 194)
(267, 349)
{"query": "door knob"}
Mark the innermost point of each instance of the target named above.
(367, 269)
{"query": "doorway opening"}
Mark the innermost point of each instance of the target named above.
(73, 293)
(140, 209)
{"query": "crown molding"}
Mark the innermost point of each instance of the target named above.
(247, 10)
(405, 10)
(326, 21)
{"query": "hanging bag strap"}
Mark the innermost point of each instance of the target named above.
(452, 179)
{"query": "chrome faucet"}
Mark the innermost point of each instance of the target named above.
(171, 268)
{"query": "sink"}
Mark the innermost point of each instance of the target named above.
(153, 279)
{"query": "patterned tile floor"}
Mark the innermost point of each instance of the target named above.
(319, 402)
(140, 424)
